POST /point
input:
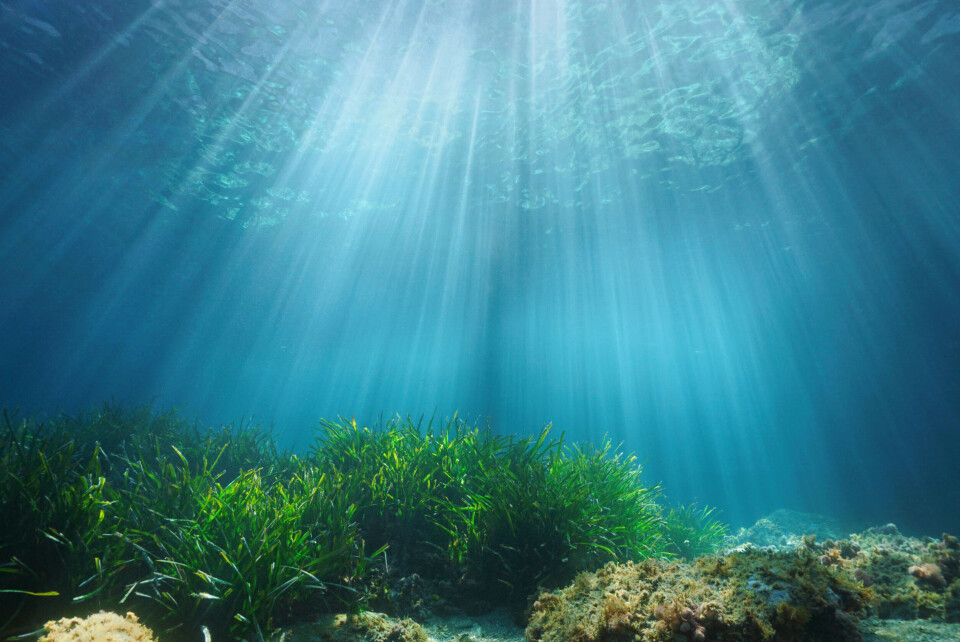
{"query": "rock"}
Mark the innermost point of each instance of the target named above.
(783, 529)
(750, 596)
(99, 627)
(363, 627)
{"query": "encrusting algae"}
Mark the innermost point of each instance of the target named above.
(99, 627)
(908, 578)
(755, 595)
(365, 627)
(802, 590)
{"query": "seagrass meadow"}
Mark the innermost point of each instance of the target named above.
(125, 508)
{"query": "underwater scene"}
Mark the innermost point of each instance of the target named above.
(480, 320)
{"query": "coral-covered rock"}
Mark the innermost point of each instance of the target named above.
(99, 627)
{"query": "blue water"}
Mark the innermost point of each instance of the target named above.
(725, 234)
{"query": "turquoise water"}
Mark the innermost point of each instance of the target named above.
(726, 234)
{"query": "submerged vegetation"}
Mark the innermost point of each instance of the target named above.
(692, 531)
(127, 508)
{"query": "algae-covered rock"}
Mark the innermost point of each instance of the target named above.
(908, 578)
(99, 627)
(782, 529)
(757, 595)
(363, 627)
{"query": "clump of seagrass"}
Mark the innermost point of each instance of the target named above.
(131, 509)
(505, 514)
(121, 508)
(691, 531)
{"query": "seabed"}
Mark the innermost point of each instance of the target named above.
(412, 532)
(877, 585)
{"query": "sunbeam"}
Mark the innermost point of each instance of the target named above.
(723, 233)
